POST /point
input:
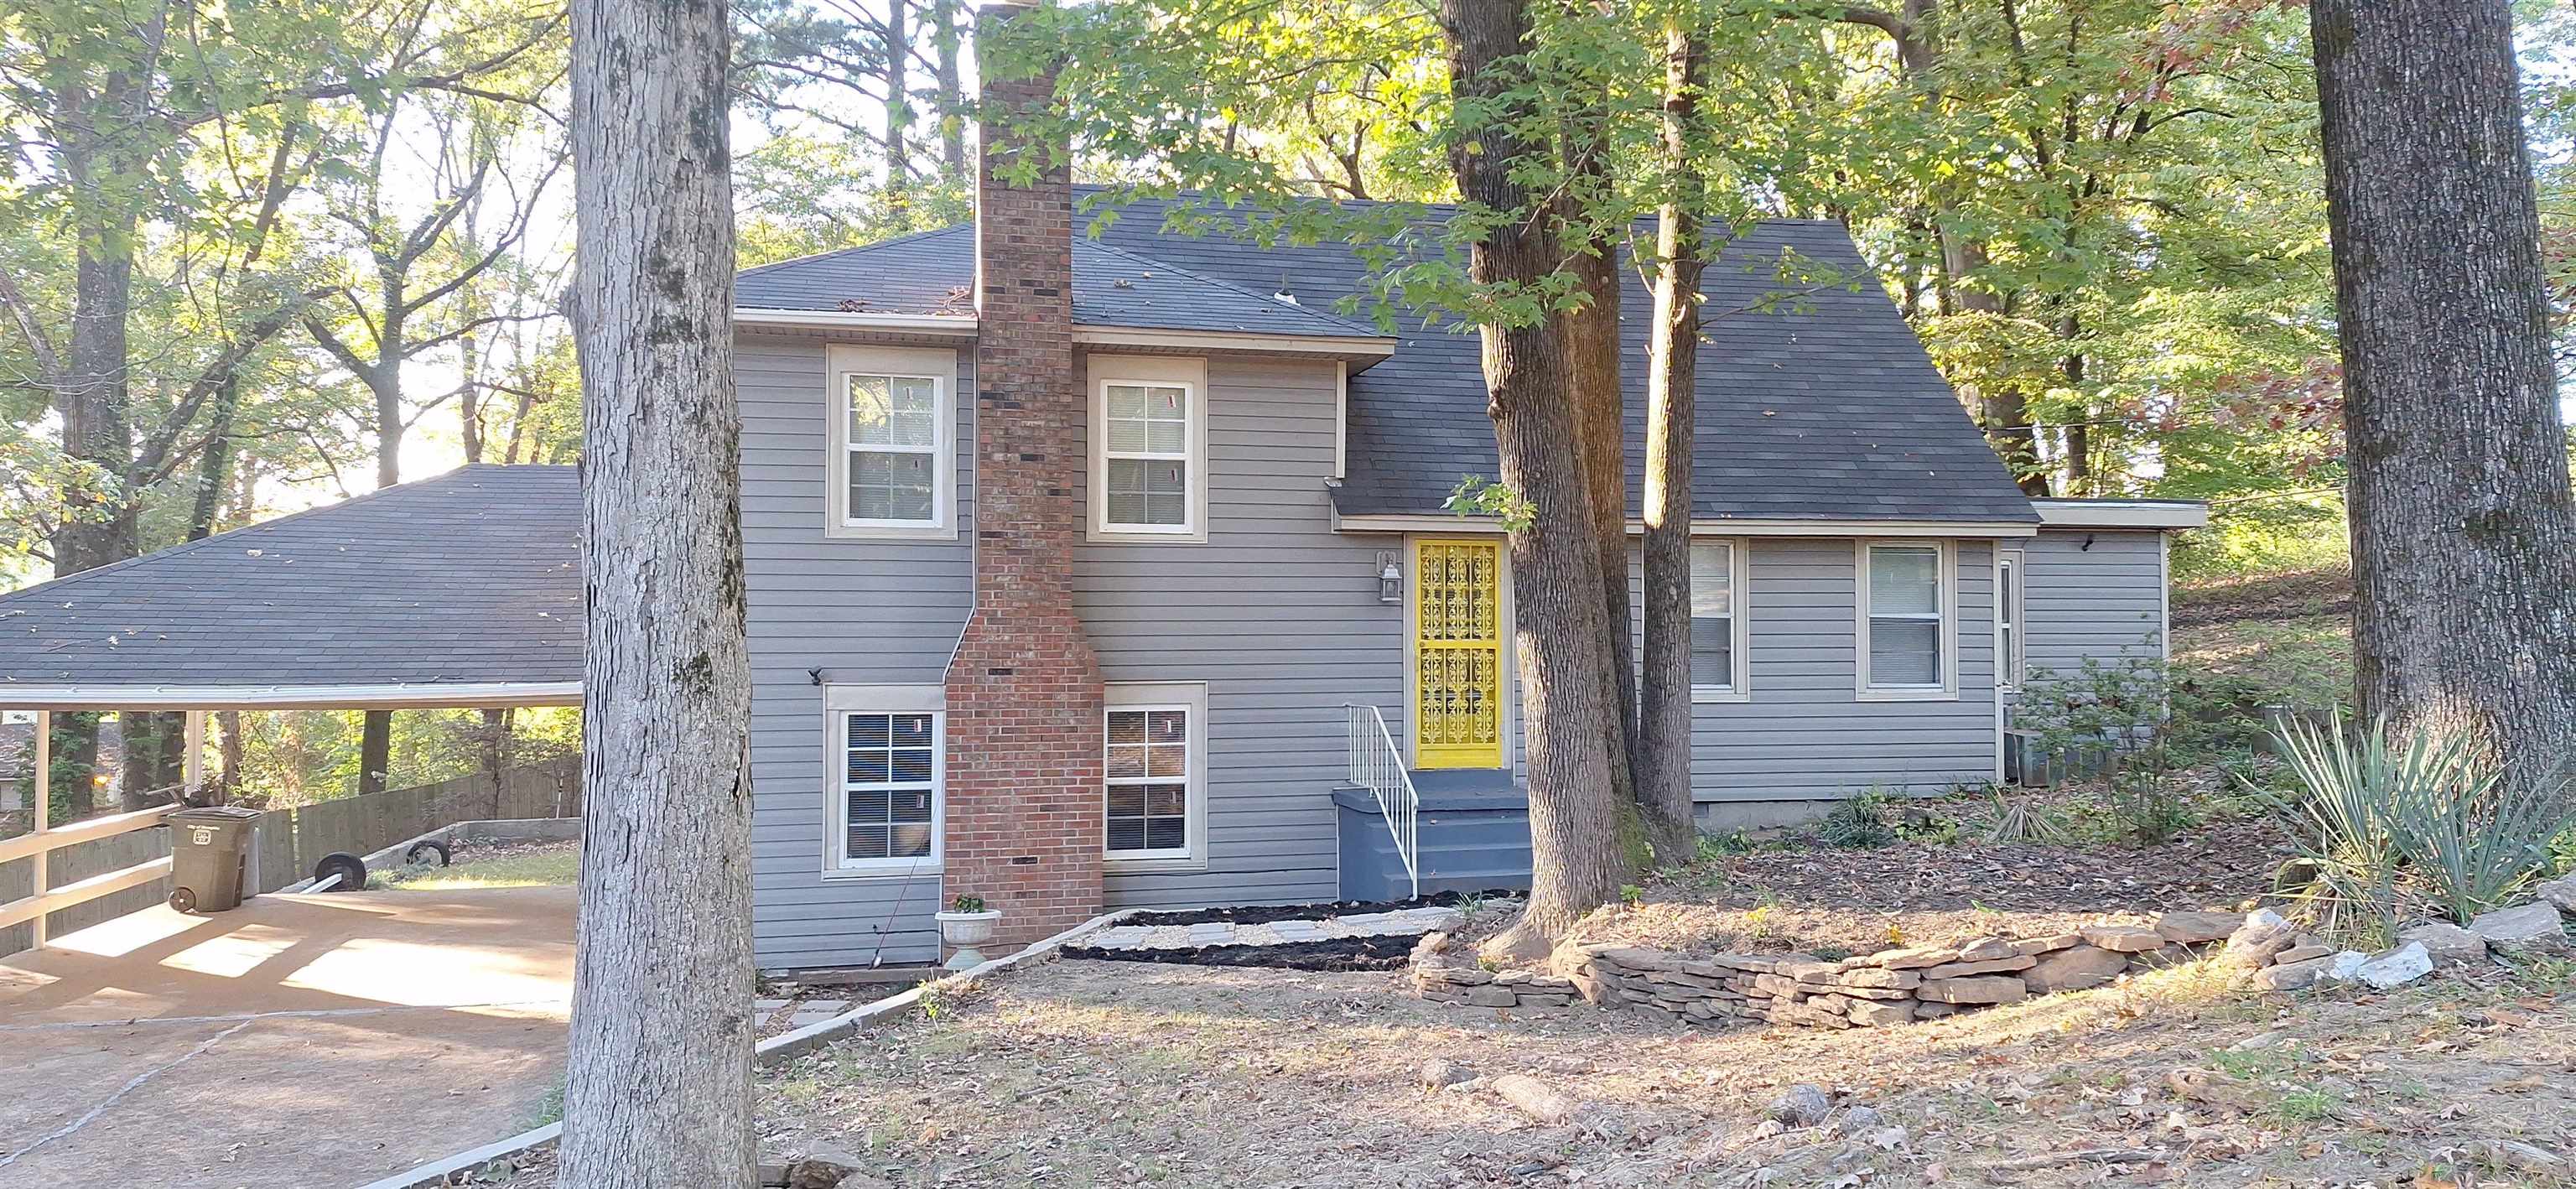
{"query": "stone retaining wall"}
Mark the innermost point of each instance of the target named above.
(1899, 986)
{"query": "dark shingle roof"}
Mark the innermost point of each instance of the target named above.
(1824, 408)
(934, 273)
(1820, 407)
(470, 577)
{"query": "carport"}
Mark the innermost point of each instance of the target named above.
(460, 591)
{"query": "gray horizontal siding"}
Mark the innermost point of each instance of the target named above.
(1278, 615)
(2095, 594)
(1805, 734)
(865, 612)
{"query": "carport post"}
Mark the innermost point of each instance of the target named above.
(44, 810)
(192, 770)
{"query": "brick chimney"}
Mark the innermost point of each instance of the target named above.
(1024, 814)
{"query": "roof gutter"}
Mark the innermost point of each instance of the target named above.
(27, 695)
(2168, 515)
(1357, 348)
(1713, 527)
(943, 325)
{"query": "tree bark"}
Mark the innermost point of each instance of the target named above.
(1664, 716)
(952, 94)
(375, 749)
(1561, 635)
(1600, 402)
(658, 1069)
(898, 106)
(2463, 535)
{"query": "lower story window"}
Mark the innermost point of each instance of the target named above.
(890, 789)
(1153, 773)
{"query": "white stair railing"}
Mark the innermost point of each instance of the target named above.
(1378, 766)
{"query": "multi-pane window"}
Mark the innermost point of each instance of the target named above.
(893, 444)
(1149, 781)
(1146, 450)
(1905, 618)
(2008, 641)
(890, 788)
(1712, 595)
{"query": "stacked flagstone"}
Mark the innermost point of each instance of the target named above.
(1899, 986)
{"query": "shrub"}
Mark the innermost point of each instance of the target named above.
(2428, 817)
(2007, 820)
(1858, 821)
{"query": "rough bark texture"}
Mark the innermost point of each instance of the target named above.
(2463, 539)
(1556, 569)
(658, 1069)
(1600, 403)
(1664, 714)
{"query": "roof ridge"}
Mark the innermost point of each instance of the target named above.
(1192, 195)
(51, 584)
(853, 249)
(1248, 291)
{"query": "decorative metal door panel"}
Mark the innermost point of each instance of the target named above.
(1458, 654)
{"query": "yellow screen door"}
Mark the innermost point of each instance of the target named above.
(1458, 654)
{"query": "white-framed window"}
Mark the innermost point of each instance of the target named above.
(1906, 634)
(893, 415)
(2008, 617)
(885, 756)
(1154, 775)
(1149, 425)
(1720, 634)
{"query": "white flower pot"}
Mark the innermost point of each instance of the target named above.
(963, 931)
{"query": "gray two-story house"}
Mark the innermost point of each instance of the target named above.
(1094, 571)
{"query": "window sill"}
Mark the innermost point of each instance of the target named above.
(889, 532)
(1906, 695)
(1127, 536)
(1703, 695)
(922, 870)
(1174, 865)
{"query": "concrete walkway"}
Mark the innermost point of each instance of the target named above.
(304, 1041)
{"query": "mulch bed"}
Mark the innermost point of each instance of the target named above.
(1264, 914)
(1340, 953)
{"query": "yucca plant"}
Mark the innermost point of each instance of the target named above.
(2427, 816)
(2008, 820)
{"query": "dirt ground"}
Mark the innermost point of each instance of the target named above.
(299, 1042)
(1083, 1074)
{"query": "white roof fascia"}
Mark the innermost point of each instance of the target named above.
(29, 695)
(2156, 514)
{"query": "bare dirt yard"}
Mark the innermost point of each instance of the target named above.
(1080, 1074)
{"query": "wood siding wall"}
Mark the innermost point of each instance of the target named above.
(2092, 593)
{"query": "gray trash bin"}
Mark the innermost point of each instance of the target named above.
(206, 849)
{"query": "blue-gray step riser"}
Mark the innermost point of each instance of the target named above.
(1460, 851)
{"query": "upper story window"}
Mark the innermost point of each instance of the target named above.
(1906, 634)
(1149, 457)
(1718, 658)
(2008, 617)
(1149, 449)
(893, 463)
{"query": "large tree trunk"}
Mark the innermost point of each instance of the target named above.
(898, 106)
(952, 94)
(1593, 350)
(1664, 718)
(658, 1070)
(2463, 537)
(375, 749)
(1561, 635)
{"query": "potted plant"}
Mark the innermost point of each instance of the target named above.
(968, 924)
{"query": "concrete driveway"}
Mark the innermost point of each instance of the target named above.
(306, 1041)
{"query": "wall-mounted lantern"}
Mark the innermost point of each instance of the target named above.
(1390, 578)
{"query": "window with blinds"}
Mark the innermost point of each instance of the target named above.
(1713, 655)
(1903, 588)
(889, 789)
